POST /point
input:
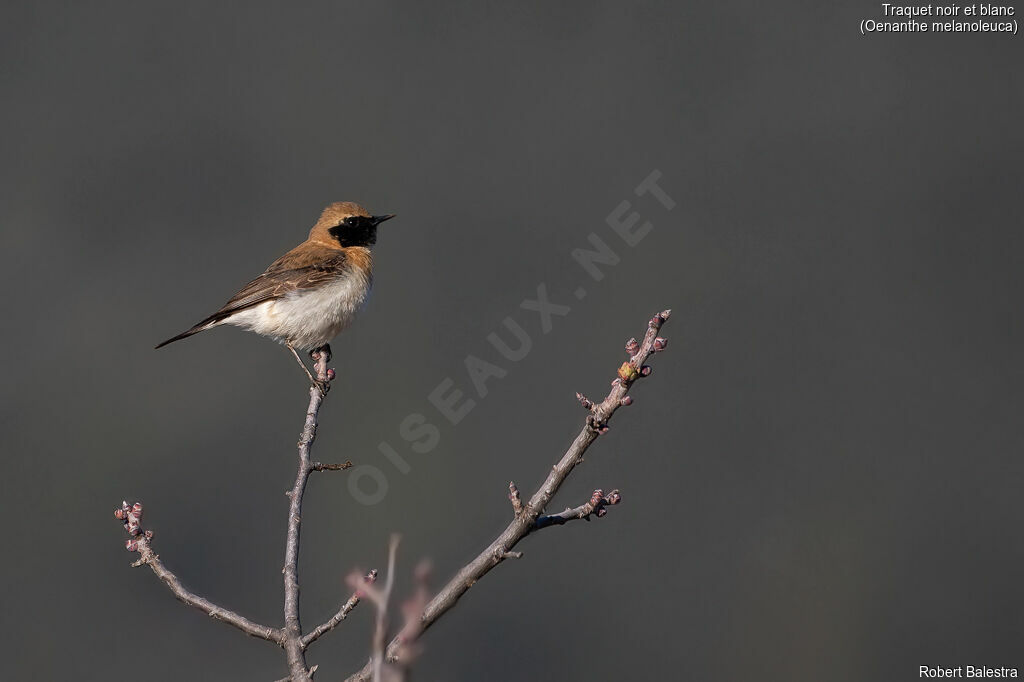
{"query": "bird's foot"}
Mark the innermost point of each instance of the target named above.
(324, 349)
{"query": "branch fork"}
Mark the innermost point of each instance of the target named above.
(290, 637)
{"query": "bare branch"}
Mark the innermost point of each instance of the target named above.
(394, 666)
(293, 646)
(523, 524)
(141, 542)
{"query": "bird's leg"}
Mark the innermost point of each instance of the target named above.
(312, 379)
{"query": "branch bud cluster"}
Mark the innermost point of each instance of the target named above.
(131, 515)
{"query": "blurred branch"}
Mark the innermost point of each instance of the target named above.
(397, 668)
(140, 541)
(528, 517)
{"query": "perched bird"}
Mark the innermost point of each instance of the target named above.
(312, 293)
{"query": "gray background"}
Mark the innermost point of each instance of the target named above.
(821, 478)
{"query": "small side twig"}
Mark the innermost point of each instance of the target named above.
(596, 505)
(517, 501)
(141, 541)
(342, 613)
(320, 466)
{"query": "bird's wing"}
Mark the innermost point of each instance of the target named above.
(301, 268)
(285, 275)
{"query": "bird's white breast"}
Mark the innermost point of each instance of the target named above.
(308, 318)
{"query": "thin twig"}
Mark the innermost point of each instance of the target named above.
(141, 542)
(596, 505)
(341, 615)
(320, 466)
(381, 601)
(526, 522)
(293, 645)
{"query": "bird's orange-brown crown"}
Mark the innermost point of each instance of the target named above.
(332, 216)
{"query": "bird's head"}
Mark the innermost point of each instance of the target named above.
(345, 223)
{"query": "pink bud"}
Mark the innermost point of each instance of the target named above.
(601, 512)
(660, 343)
(120, 514)
(595, 498)
(331, 374)
(645, 370)
(131, 545)
(148, 534)
(626, 401)
(613, 498)
(632, 346)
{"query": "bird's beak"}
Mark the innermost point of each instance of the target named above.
(378, 219)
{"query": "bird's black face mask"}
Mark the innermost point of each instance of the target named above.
(358, 230)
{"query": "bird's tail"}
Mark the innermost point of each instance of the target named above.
(202, 326)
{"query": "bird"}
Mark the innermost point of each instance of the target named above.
(312, 293)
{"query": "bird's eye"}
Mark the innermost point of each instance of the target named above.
(350, 221)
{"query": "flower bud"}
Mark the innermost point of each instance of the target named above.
(627, 372)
